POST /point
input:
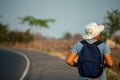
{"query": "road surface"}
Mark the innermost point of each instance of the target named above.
(12, 65)
(47, 67)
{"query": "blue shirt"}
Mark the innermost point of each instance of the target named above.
(103, 48)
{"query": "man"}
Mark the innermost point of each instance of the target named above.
(92, 35)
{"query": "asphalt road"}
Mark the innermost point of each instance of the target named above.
(47, 67)
(12, 65)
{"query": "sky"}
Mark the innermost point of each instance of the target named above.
(70, 15)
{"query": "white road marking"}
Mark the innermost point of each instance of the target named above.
(27, 66)
(28, 63)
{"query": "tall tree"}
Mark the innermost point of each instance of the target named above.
(112, 22)
(32, 21)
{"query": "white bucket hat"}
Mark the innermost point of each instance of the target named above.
(92, 30)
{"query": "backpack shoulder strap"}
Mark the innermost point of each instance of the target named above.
(84, 42)
(97, 42)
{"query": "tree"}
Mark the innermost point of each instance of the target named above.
(112, 24)
(43, 23)
(67, 35)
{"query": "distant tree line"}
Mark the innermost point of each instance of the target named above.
(14, 36)
(18, 36)
(68, 36)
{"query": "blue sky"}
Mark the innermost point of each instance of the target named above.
(70, 15)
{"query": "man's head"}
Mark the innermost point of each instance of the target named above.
(93, 31)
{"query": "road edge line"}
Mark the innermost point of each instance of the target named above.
(27, 59)
(27, 66)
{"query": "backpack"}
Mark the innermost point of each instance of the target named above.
(90, 63)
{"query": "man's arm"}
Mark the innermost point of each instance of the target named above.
(70, 59)
(108, 60)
